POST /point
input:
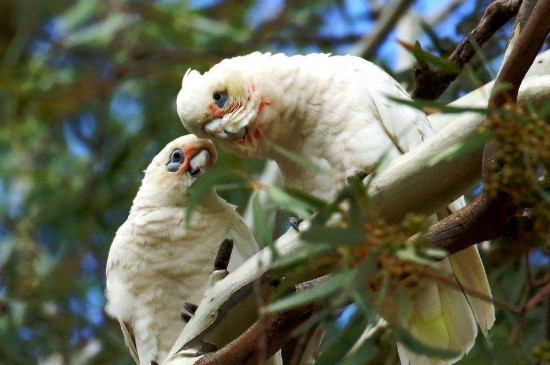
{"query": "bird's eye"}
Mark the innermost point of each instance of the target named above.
(220, 99)
(176, 159)
(177, 156)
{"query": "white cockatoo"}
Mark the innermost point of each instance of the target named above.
(157, 262)
(335, 112)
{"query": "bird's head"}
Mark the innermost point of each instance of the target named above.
(175, 169)
(226, 103)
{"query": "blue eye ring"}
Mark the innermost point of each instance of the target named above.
(176, 160)
(220, 98)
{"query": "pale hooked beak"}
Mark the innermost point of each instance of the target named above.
(199, 155)
(198, 163)
(216, 129)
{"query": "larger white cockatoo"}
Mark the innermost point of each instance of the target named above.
(335, 112)
(156, 262)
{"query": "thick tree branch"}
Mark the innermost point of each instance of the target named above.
(244, 350)
(487, 216)
(431, 82)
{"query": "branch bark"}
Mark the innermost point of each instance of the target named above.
(431, 82)
(487, 216)
(244, 350)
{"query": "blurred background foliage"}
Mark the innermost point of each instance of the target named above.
(87, 98)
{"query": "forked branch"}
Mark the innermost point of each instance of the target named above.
(431, 82)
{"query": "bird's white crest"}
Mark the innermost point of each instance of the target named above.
(189, 75)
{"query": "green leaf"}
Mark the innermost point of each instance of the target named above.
(305, 254)
(312, 202)
(286, 202)
(438, 107)
(334, 236)
(101, 33)
(471, 144)
(363, 355)
(410, 254)
(438, 62)
(501, 88)
(80, 13)
(435, 253)
(206, 184)
(336, 348)
(262, 225)
(299, 160)
(319, 291)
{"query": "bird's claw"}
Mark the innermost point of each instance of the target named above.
(295, 223)
(206, 348)
(186, 317)
(357, 174)
(190, 307)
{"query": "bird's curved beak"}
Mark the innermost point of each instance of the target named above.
(199, 156)
(215, 128)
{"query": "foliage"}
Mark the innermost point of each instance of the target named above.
(87, 95)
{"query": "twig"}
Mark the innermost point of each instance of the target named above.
(368, 45)
(431, 82)
(537, 298)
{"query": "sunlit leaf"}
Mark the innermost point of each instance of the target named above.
(471, 144)
(286, 202)
(422, 55)
(319, 291)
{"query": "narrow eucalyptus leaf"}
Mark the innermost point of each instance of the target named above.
(319, 291)
(336, 236)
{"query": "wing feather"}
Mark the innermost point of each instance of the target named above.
(129, 339)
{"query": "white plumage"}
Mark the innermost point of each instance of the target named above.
(335, 112)
(157, 262)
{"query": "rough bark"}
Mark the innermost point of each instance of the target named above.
(431, 82)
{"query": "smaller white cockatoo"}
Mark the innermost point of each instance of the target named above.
(335, 112)
(157, 262)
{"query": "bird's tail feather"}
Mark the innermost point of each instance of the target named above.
(469, 272)
(445, 317)
(441, 318)
(276, 359)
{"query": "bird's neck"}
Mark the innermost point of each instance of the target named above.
(152, 198)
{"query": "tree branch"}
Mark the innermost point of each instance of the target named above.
(368, 45)
(431, 82)
(244, 350)
(487, 216)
